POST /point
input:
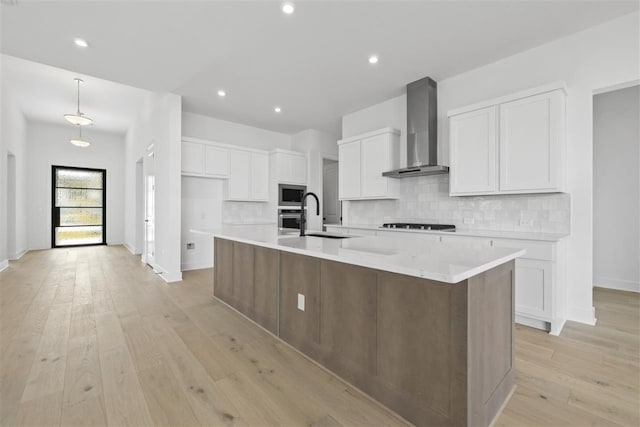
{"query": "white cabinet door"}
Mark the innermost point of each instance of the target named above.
(238, 184)
(374, 158)
(468, 240)
(349, 170)
(531, 131)
(533, 288)
(216, 161)
(298, 170)
(192, 157)
(473, 145)
(259, 177)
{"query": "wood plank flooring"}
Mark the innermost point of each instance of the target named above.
(90, 336)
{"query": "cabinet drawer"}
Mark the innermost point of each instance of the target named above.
(474, 241)
(535, 250)
(408, 235)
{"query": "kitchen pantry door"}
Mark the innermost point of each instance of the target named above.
(78, 206)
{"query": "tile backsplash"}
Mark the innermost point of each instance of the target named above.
(247, 213)
(426, 199)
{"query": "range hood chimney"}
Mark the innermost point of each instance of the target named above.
(422, 130)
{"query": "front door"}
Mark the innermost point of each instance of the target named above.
(78, 202)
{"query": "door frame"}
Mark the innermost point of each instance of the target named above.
(54, 212)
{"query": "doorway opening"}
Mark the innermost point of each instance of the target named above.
(616, 187)
(149, 245)
(331, 206)
(78, 206)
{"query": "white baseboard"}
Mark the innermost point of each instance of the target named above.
(582, 315)
(130, 249)
(4, 264)
(19, 255)
(533, 323)
(618, 284)
(196, 265)
(168, 276)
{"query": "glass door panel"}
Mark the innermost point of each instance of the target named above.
(79, 206)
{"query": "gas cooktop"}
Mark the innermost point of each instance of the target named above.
(415, 226)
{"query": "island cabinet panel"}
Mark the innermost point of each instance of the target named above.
(223, 281)
(265, 296)
(300, 275)
(348, 321)
(415, 348)
(491, 308)
(243, 273)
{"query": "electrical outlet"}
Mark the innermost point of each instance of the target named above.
(191, 245)
(526, 222)
(300, 302)
(468, 220)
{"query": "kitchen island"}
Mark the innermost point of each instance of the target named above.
(426, 329)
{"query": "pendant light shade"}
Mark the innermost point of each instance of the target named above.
(78, 118)
(80, 142)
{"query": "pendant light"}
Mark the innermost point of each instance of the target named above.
(80, 142)
(79, 118)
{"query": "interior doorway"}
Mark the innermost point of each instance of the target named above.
(11, 206)
(78, 206)
(616, 187)
(149, 248)
(331, 206)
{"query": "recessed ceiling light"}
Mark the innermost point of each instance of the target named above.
(277, 109)
(288, 8)
(81, 42)
(222, 93)
(373, 59)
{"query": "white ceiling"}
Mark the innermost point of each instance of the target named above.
(312, 63)
(47, 93)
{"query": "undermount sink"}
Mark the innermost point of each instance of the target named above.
(329, 235)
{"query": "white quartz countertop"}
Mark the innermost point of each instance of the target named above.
(449, 262)
(497, 234)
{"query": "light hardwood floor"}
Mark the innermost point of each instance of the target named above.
(89, 336)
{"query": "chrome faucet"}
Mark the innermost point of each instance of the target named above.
(303, 217)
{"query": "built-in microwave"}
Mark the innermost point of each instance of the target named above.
(290, 195)
(289, 219)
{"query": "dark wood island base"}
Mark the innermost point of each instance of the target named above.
(435, 353)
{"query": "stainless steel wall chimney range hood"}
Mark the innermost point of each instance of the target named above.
(422, 129)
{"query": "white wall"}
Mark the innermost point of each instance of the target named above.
(13, 139)
(47, 145)
(598, 57)
(317, 145)
(616, 189)
(202, 199)
(159, 123)
(212, 129)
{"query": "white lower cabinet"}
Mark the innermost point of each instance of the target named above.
(533, 288)
(540, 300)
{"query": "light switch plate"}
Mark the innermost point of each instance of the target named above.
(526, 222)
(300, 302)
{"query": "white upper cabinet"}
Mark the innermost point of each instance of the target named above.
(531, 142)
(363, 159)
(259, 187)
(248, 176)
(216, 161)
(349, 171)
(239, 183)
(473, 152)
(510, 145)
(201, 158)
(290, 167)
